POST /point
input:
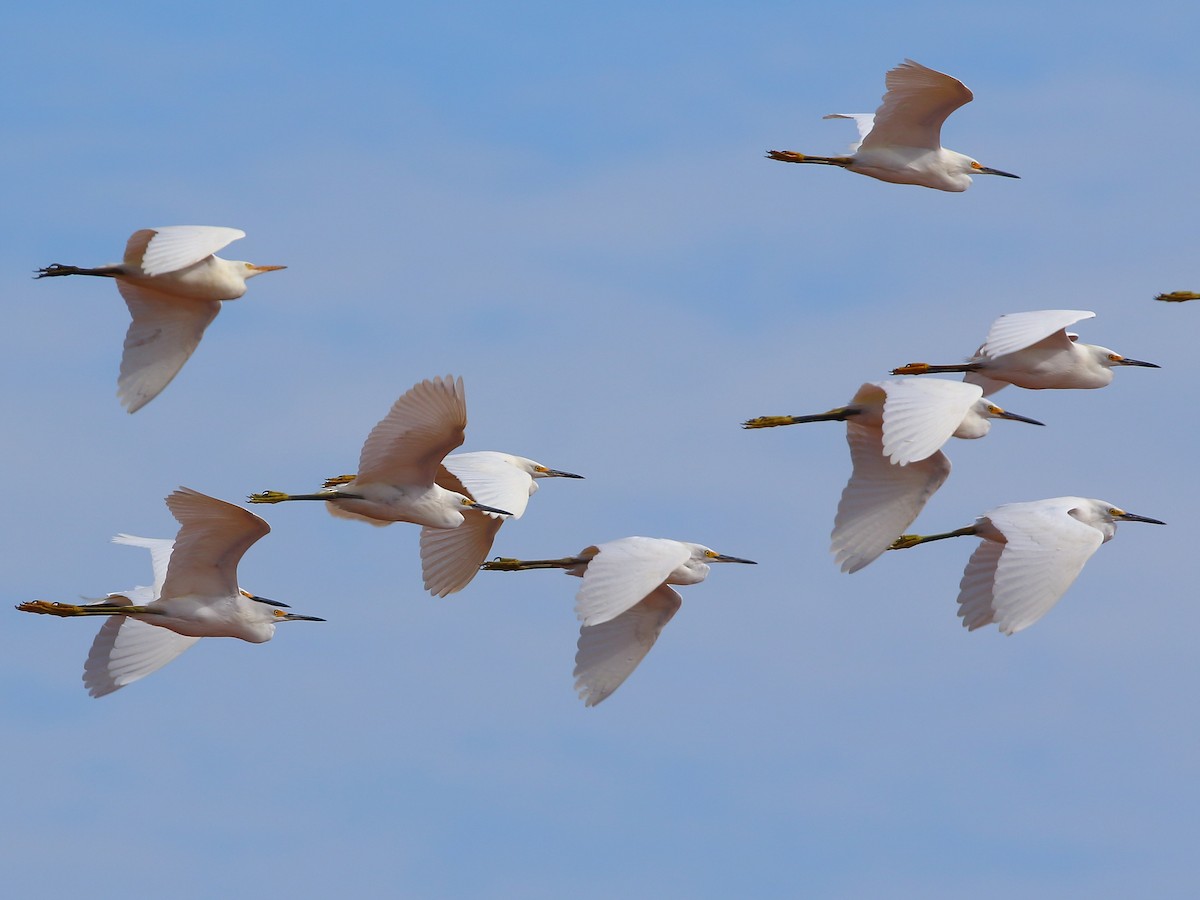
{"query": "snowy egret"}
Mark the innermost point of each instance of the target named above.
(173, 286)
(451, 557)
(1031, 553)
(195, 595)
(1034, 350)
(399, 463)
(1178, 296)
(902, 141)
(624, 601)
(895, 430)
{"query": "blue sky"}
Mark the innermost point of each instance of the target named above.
(569, 207)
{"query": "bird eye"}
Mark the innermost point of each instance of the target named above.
(711, 554)
(1115, 357)
(994, 409)
(279, 613)
(975, 165)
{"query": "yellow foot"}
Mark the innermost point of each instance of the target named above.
(785, 155)
(41, 606)
(768, 421)
(912, 369)
(338, 480)
(1178, 296)
(905, 541)
(269, 497)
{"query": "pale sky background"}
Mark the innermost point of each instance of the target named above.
(568, 205)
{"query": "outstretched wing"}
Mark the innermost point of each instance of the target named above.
(173, 247)
(164, 332)
(864, 122)
(160, 555)
(1016, 331)
(127, 649)
(921, 414)
(450, 557)
(609, 652)
(213, 536)
(407, 446)
(623, 573)
(881, 499)
(917, 102)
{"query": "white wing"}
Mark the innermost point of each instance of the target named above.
(623, 572)
(212, 539)
(1045, 551)
(1016, 331)
(609, 652)
(160, 555)
(490, 479)
(174, 247)
(881, 499)
(917, 102)
(408, 445)
(919, 415)
(164, 332)
(127, 649)
(864, 122)
(450, 557)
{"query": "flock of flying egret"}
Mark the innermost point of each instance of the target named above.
(1029, 554)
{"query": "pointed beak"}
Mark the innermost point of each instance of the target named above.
(1126, 361)
(556, 473)
(1133, 517)
(721, 557)
(257, 599)
(984, 170)
(293, 617)
(1005, 414)
(490, 509)
(268, 268)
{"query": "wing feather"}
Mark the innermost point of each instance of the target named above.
(450, 557)
(489, 478)
(881, 499)
(174, 247)
(864, 122)
(126, 649)
(624, 572)
(917, 102)
(213, 536)
(423, 425)
(1016, 331)
(609, 652)
(160, 555)
(162, 336)
(921, 414)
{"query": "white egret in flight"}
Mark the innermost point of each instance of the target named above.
(1030, 554)
(1034, 350)
(624, 602)
(399, 464)
(902, 141)
(195, 594)
(173, 285)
